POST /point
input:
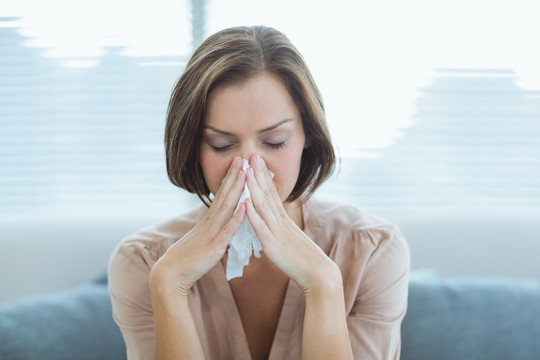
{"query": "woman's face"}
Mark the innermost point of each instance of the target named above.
(255, 116)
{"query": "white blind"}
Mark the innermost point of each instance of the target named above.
(78, 140)
(83, 140)
(474, 147)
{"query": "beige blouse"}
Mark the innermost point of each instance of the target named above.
(371, 253)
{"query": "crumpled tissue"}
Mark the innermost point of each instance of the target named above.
(244, 242)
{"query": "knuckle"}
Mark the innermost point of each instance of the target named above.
(208, 227)
(270, 191)
(224, 206)
(216, 251)
(228, 229)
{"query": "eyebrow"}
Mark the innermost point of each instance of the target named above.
(270, 128)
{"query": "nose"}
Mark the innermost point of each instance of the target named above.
(246, 150)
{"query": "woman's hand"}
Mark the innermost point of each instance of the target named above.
(202, 248)
(185, 262)
(325, 333)
(285, 244)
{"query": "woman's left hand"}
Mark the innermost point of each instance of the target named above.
(285, 244)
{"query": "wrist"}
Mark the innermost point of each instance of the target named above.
(326, 333)
(327, 282)
(163, 286)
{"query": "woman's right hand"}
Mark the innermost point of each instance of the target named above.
(187, 260)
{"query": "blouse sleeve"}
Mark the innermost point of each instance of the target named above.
(381, 298)
(129, 272)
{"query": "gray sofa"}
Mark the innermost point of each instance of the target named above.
(448, 318)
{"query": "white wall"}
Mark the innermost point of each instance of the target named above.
(51, 254)
(492, 244)
(46, 255)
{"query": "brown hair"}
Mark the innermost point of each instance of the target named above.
(235, 55)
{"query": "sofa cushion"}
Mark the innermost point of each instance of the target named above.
(472, 318)
(75, 324)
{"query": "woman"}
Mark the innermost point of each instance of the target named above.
(332, 280)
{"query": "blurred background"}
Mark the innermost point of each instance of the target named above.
(434, 107)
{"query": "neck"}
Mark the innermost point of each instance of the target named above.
(294, 210)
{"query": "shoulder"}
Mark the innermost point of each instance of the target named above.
(347, 221)
(356, 240)
(137, 253)
(371, 252)
(131, 262)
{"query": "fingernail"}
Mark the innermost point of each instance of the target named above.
(241, 208)
(259, 161)
(237, 162)
(256, 159)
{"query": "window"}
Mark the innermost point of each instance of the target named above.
(433, 107)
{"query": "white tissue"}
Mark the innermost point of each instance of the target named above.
(244, 242)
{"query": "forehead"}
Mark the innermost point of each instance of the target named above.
(259, 101)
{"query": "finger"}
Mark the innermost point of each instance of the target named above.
(259, 225)
(222, 207)
(227, 196)
(231, 227)
(229, 179)
(266, 183)
(261, 171)
(229, 182)
(268, 187)
(266, 208)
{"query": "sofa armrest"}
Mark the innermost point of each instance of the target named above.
(472, 318)
(74, 324)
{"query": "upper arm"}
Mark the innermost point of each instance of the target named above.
(129, 272)
(381, 302)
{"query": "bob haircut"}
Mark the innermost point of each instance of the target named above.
(233, 56)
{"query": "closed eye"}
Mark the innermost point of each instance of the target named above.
(277, 145)
(221, 148)
(273, 146)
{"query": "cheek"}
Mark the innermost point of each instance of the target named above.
(286, 170)
(214, 169)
